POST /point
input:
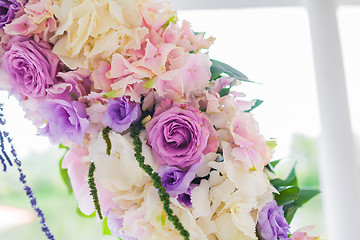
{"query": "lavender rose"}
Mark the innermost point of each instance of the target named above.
(180, 136)
(121, 113)
(30, 65)
(70, 85)
(8, 8)
(272, 224)
(175, 180)
(66, 121)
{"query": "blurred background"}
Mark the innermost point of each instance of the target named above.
(272, 46)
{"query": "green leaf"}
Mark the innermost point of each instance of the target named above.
(291, 180)
(106, 230)
(289, 212)
(256, 104)
(275, 162)
(304, 196)
(64, 174)
(287, 195)
(271, 166)
(225, 91)
(217, 68)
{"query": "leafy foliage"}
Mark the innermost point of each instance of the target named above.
(289, 195)
(64, 172)
(257, 103)
(106, 230)
(217, 68)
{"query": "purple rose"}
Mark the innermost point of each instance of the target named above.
(180, 135)
(8, 8)
(30, 65)
(121, 113)
(66, 121)
(272, 224)
(175, 180)
(70, 85)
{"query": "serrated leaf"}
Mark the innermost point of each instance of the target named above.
(106, 230)
(64, 175)
(257, 103)
(217, 68)
(287, 195)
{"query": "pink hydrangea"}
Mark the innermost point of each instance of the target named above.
(251, 147)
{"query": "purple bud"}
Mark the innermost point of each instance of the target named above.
(185, 198)
(121, 113)
(176, 180)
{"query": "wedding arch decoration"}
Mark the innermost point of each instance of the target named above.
(160, 143)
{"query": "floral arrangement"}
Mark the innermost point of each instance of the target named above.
(159, 143)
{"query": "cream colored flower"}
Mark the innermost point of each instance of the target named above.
(236, 198)
(112, 172)
(95, 29)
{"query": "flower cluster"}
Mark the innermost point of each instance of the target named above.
(79, 67)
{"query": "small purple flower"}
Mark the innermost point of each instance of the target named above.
(30, 65)
(185, 198)
(8, 8)
(176, 180)
(121, 113)
(66, 121)
(272, 224)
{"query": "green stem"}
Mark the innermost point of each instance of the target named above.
(93, 190)
(163, 195)
(105, 134)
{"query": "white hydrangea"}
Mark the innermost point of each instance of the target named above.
(90, 28)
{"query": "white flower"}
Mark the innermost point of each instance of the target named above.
(96, 28)
(149, 221)
(237, 197)
(120, 173)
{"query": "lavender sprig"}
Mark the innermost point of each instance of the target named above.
(3, 150)
(5, 135)
(3, 163)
